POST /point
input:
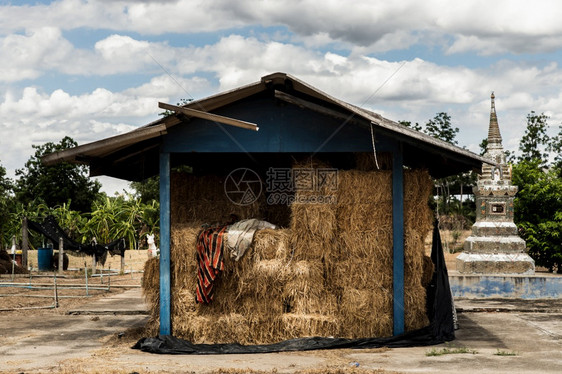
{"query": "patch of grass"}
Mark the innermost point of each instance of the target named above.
(449, 351)
(505, 353)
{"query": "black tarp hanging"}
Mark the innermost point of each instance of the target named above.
(440, 329)
(51, 230)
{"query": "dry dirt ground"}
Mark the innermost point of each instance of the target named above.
(36, 290)
(94, 334)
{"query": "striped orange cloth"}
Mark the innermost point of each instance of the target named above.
(210, 247)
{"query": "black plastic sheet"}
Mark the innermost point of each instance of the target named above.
(440, 329)
(51, 230)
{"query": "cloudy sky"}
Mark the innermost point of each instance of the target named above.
(93, 69)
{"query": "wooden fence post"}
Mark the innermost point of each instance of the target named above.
(61, 255)
(24, 243)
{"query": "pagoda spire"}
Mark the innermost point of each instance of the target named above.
(494, 136)
(494, 149)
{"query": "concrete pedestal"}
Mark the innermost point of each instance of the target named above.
(495, 263)
(494, 248)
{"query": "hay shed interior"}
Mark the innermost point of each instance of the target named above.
(381, 214)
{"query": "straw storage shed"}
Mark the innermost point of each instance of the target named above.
(328, 273)
(350, 265)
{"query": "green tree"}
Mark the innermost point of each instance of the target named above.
(57, 184)
(118, 217)
(71, 221)
(102, 221)
(483, 146)
(151, 218)
(6, 205)
(129, 222)
(182, 102)
(415, 126)
(440, 127)
(534, 144)
(555, 147)
(147, 190)
(35, 211)
(538, 211)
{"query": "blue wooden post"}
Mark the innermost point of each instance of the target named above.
(165, 320)
(398, 240)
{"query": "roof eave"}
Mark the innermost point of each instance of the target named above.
(81, 154)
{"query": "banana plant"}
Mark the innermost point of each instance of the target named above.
(129, 220)
(102, 221)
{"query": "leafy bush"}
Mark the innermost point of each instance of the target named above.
(538, 212)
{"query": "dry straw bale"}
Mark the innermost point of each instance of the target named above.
(364, 273)
(313, 221)
(365, 217)
(195, 328)
(313, 230)
(246, 291)
(365, 232)
(375, 243)
(305, 290)
(262, 273)
(365, 161)
(262, 278)
(203, 198)
(366, 300)
(260, 291)
(296, 325)
(151, 289)
(366, 312)
(151, 293)
(364, 227)
(310, 220)
(270, 244)
(364, 187)
(208, 329)
(183, 249)
(264, 330)
(364, 209)
(418, 218)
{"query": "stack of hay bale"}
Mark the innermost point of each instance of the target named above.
(364, 268)
(418, 268)
(328, 274)
(312, 304)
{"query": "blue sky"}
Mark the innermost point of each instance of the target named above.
(93, 69)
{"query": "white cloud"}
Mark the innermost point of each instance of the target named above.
(487, 27)
(333, 47)
(32, 116)
(236, 60)
(166, 85)
(45, 50)
(25, 56)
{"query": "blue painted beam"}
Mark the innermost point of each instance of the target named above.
(165, 319)
(286, 129)
(398, 240)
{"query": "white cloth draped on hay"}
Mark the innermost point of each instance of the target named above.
(240, 235)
